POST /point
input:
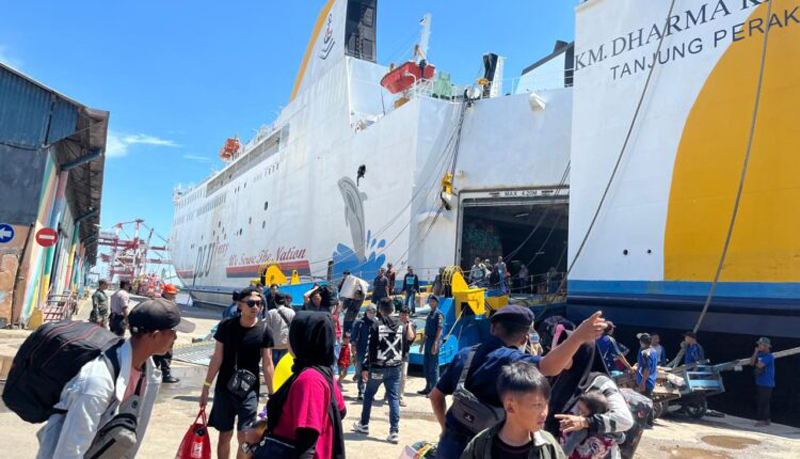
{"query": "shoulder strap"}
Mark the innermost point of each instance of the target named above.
(467, 364)
(112, 359)
(285, 320)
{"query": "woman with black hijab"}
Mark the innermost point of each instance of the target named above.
(586, 373)
(306, 412)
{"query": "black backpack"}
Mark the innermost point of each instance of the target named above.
(48, 359)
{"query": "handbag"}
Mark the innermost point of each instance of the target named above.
(196, 443)
(243, 381)
(472, 413)
(118, 436)
(272, 447)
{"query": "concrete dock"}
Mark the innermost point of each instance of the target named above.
(672, 437)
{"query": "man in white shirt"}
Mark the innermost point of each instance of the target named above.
(278, 321)
(120, 301)
(93, 397)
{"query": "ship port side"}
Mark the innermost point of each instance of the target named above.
(527, 227)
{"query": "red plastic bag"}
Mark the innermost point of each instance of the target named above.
(196, 444)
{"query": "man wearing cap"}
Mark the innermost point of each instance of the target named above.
(694, 351)
(647, 366)
(163, 362)
(95, 395)
(510, 328)
(432, 337)
(279, 318)
(764, 362)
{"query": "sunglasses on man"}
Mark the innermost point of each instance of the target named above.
(253, 303)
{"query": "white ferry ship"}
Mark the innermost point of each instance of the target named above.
(349, 176)
(647, 117)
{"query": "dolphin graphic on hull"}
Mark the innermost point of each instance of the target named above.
(354, 215)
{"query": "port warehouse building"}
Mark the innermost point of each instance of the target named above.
(52, 154)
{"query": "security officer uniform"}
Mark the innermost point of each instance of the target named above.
(490, 357)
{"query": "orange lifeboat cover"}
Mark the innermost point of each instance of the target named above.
(401, 78)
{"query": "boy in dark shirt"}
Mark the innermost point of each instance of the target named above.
(525, 394)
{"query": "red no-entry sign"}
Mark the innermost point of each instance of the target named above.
(46, 237)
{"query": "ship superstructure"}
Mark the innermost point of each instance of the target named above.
(349, 176)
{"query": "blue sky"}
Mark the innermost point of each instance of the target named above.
(179, 77)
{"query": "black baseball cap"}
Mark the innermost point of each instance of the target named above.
(158, 314)
(644, 337)
(690, 334)
(515, 314)
(280, 298)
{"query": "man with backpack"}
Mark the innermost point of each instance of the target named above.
(472, 376)
(279, 318)
(100, 389)
(381, 366)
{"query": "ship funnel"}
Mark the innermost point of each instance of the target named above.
(343, 28)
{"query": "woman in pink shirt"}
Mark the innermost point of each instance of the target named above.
(301, 412)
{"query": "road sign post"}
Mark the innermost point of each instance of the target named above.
(46, 237)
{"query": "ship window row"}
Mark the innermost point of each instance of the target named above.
(192, 197)
(211, 205)
(246, 162)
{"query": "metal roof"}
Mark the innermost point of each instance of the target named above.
(33, 116)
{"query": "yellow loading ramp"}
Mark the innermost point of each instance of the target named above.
(475, 297)
(272, 274)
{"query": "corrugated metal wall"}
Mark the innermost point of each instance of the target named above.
(27, 111)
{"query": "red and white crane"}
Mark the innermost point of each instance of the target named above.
(126, 256)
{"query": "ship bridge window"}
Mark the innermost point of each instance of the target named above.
(250, 221)
(263, 224)
(525, 230)
(266, 204)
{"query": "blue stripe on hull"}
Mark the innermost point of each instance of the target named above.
(742, 308)
(649, 318)
(758, 290)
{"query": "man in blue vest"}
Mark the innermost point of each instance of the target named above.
(432, 338)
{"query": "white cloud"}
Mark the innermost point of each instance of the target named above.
(8, 59)
(117, 144)
(202, 159)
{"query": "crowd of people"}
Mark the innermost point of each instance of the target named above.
(518, 394)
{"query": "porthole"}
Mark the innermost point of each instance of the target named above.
(625, 252)
(263, 224)
(266, 204)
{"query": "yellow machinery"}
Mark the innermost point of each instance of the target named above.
(475, 297)
(462, 293)
(272, 274)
